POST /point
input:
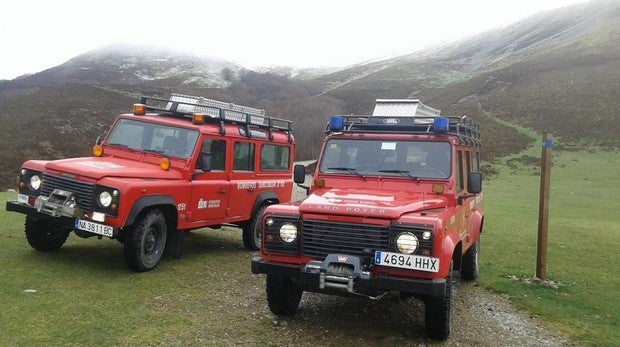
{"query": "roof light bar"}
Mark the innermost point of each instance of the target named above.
(441, 125)
(336, 123)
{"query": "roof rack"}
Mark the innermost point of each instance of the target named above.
(467, 131)
(217, 112)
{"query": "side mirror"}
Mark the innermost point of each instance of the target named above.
(474, 182)
(299, 174)
(204, 162)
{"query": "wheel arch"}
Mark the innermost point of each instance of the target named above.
(161, 201)
(457, 256)
(451, 251)
(264, 198)
(476, 220)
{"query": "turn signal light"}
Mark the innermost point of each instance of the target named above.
(438, 188)
(97, 150)
(164, 163)
(198, 118)
(139, 109)
(319, 183)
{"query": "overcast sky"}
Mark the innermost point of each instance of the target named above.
(39, 34)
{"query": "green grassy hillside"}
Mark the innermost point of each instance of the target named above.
(557, 71)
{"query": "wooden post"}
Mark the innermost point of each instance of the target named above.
(543, 206)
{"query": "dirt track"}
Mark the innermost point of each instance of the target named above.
(479, 318)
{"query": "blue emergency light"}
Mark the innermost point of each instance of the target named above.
(441, 125)
(336, 123)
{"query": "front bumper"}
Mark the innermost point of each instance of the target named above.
(59, 219)
(315, 276)
(14, 206)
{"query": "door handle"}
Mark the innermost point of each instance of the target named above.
(222, 191)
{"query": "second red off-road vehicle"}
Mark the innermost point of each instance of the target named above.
(395, 205)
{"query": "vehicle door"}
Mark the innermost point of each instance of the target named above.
(465, 208)
(210, 186)
(244, 186)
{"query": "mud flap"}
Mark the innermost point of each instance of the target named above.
(174, 244)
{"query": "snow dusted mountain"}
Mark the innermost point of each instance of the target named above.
(126, 64)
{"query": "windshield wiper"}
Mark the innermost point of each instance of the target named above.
(402, 172)
(119, 145)
(348, 169)
(153, 151)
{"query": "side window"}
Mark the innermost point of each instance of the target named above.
(459, 171)
(216, 149)
(243, 159)
(468, 161)
(274, 157)
(476, 167)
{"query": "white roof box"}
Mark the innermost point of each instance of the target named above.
(403, 108)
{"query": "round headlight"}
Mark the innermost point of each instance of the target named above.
(35, 182)
(105, 199)
(407, 243)
(288, 232)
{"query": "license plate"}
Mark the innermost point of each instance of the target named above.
(94, 228)
(406, 261)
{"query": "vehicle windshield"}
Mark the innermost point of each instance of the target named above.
(408, 159)
(150, 137)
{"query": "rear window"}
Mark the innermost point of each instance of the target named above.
(273, 157)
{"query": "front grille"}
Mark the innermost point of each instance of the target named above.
(320, 238)
(84, 191)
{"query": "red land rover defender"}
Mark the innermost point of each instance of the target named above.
(395, 205)
(191, 163)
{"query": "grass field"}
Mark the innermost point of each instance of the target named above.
(84, 295)
(583, 243)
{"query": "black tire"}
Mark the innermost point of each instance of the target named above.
(437, 312)
(252, 234)
(470, 265)
(44, 235)
(283, 295)
(145, 243)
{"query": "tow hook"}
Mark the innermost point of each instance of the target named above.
(339, 272)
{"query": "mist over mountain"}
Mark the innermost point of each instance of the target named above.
(557, 71)
(130, 64)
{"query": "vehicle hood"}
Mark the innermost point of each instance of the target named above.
(370, 203)
(97, 168)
